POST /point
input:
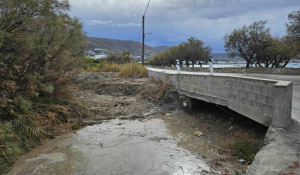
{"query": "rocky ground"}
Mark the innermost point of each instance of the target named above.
(146, 113)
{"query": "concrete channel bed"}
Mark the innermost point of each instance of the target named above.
(266, 101)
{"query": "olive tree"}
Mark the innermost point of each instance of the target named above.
(248, 41)
(189, 52)
(293, 29)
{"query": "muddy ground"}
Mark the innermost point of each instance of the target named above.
(140, 111)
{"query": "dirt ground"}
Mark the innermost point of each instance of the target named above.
(209, 132)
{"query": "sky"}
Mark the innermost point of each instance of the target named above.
(170, 22)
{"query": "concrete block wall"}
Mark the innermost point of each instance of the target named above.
(265, 101)
(252, 98)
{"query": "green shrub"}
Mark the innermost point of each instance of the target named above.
(10, 146)
(246, 149)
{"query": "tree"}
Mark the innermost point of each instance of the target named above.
(283, 51)
(39, 44)
(158, 59)
(293, 29)
(189, 52)
(119, 57)
(248, 41)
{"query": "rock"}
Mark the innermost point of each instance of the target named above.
(198, 133)
(185, 104)
(158, 139)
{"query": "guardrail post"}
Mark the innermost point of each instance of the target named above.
(178, 66)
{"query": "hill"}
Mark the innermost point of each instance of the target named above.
(135, 47)
(161, 48)
(119, 45)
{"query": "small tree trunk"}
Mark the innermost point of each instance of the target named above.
(285, 63)
(248, 64)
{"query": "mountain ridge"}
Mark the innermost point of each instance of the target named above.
(119, 45)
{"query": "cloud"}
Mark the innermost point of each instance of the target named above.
(129, 15)
(206, 19)
(128, 24)
(97, 22)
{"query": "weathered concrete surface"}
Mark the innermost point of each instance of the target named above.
(262, 100)
(116, 147)
(281, 155)
(143, 148)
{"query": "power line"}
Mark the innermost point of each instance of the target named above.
(140, 33)
(147, 7)
(179, 32)
(156, 52)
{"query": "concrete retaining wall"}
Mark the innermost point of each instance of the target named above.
(265, 101)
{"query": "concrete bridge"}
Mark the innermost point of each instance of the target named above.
(266, 101)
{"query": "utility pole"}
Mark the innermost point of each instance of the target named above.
(143, 46)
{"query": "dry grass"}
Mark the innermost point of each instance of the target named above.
(133, 70)
(127, 70)
(104, 66)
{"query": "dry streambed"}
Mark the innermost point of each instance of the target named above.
(142, 130)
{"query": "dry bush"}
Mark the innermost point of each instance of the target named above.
(133, 69)
(104, 66)
(155, 90)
